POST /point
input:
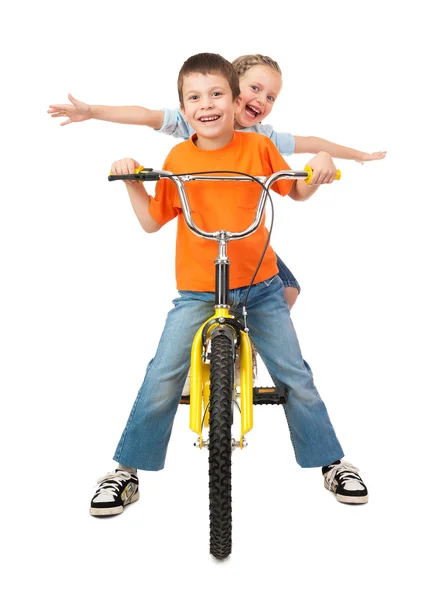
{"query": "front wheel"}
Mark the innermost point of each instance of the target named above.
(221, 394)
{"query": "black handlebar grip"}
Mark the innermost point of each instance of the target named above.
(144, 175)
(149, 175)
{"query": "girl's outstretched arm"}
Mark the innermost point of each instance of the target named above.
(131, 115)
(313, 145)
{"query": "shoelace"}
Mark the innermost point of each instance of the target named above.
(344, 471)
(107, 485)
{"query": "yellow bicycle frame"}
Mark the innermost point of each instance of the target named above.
(200, 379)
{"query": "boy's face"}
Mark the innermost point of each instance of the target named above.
(208, 107)
(259, 88)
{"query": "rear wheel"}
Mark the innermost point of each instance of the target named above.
(221, 394)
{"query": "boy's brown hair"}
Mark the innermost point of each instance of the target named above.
(214, 64)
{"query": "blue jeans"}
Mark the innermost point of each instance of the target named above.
(286, 275)
(144, 442)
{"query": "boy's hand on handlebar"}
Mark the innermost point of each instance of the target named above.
(76, 111)
(324, 170)
(125, 166)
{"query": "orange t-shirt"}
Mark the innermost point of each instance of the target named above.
(218, 205)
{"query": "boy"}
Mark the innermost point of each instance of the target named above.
(209, 96)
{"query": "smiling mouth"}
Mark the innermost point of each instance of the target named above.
(252, 111)
(209, 119)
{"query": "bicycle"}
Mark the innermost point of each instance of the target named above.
(214, 352)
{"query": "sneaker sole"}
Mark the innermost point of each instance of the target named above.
(115, 510)
(348, 499)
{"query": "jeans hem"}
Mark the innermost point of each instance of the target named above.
(139, 466)
(318, 463)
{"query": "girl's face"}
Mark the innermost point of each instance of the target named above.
(259, 88)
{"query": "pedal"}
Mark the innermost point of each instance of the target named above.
(269, 395)
(261, 395)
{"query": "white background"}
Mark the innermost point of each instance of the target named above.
(85, 293)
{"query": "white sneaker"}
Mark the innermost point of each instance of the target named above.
(115, 490)
(343, 480)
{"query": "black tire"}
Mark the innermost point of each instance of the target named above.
(221, 390)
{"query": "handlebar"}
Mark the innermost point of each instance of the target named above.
(148, 174)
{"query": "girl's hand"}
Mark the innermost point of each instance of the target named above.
(324, 170)
(365, 156)
(76, 111)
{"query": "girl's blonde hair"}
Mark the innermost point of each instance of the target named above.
(243, 63)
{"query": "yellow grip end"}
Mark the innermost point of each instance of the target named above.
(310, 174)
